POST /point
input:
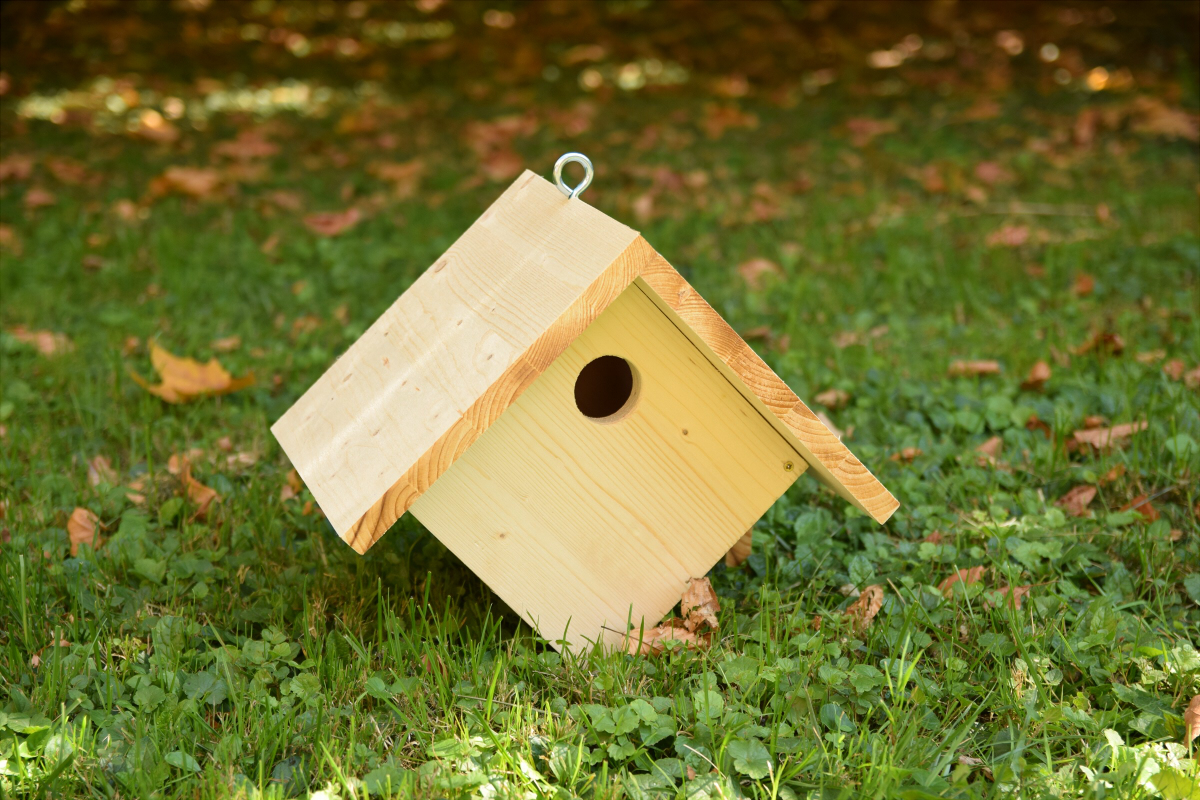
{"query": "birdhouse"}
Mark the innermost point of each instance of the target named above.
(556, 404)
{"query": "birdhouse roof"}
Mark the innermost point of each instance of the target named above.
(477, 328)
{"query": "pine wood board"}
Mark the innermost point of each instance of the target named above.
(832, 462)
(445, 360)
(582, 526)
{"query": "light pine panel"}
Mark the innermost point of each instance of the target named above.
(832, 462)
(451, 353)
(581, 525)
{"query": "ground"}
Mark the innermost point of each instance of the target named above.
(968, 235)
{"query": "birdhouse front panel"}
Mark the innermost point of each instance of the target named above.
(630, 465)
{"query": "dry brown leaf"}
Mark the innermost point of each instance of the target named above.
(991, 173)
(1103, 438)
(966, 576)
(1013, 595)
(1009, 236)
(81, 527)
(35, 661)
(184, 379)
(1191, 378)
(1153, 117)
(9, 240)
(198, 182)
(1034, 423)
(740, 550)
(755, 271)
(973, 368)
(37, 197)
(68, 171)
(833, 398)
(203, 496)
(654, 641)
(1191, 720)
(907, 454)
(863, 130)
(291, 487)
(501, 164)
(1084, 285)
(864, 609)
(16, 167)
(227, 344)
(1075, 502)
(1039, 373)
(333, 223)
(48, 343)
(1101, 341)
(720, 118)
(404, 177)
(699, 605)
(136, 488)
(248, 144)
(1142, 505)
(1173, 369)
(101, 471)
(990, 449)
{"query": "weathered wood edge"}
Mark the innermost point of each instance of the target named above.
(832, 462)
(499, 396)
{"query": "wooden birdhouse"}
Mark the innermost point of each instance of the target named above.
(556, 404)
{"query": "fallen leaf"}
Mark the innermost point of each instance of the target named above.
(1039, 373)
(184, 379)
(1191, 720)
(48, 343)
(225, 444)
(1174, 368)
(1191, 378)
(248, 144)
(127, 211)
(37, 197)
(1036, 424)
(227, 344)
(333, 223)
(1013, 594)
(699, 605)
(863, 130)
(740, 550)
(973, 368)
(203, 496)
(966, 576)
(291, 487)
(197, 182)
(1102, 438)
(755, 271)
(101, 471)
(1101, 341)
(9, 240)
(833, 398)
(720, 118)
(501, 164)
(81, 528)
(907, 454)
(654, 641)
(1113, 474)
(405, 177)
(1084, 285)
(864, 609)
(67, 171)
(242, 459)
(1075, 502)
(968, 761)
(36, 660)
(1153, 117)
(989, 450)
(1142, 505)
(16, 167)
(991, 173)
(136, 487)
(932, 180)
(1008, 236)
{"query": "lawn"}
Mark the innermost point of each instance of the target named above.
(979, 257)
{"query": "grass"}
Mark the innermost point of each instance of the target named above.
(250, 653)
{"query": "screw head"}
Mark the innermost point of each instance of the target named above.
(788, 466)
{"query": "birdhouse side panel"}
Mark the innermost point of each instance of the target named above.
(584, 523)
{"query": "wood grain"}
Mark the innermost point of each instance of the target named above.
(832, 462)
(445, 360)
(583, 526)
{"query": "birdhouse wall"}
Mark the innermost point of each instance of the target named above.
(585, 526)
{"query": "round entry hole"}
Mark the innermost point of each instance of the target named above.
(605, 388)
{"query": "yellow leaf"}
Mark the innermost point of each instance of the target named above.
(185, 379)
